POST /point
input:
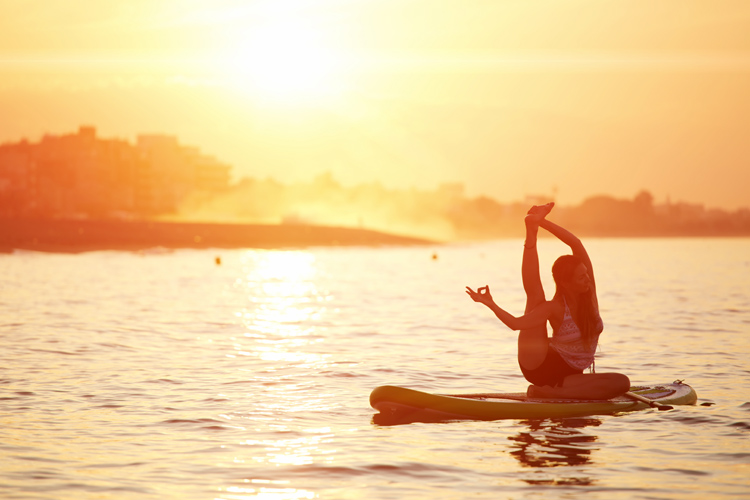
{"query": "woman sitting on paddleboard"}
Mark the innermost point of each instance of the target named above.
(555, 365)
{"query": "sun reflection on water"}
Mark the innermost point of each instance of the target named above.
(285, 307)
(283, 295)
(299, 450)
(283, 343)
(282, 292)
(256, 491)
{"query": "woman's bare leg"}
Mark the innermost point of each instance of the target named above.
(532, 281)
(585, 386)
(532, 343)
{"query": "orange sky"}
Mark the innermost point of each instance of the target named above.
(509, 97)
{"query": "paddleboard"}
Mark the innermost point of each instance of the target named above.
(401, 405)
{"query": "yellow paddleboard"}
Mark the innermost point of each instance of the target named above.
(401, 405)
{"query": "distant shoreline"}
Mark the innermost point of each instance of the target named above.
(76, 236)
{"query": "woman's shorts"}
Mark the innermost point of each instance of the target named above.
(551, 372)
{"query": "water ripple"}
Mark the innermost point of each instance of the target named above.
(166, 376)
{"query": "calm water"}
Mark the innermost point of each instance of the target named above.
(165, 375)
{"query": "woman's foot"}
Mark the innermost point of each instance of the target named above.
(533, 220)
(537, 213)
(542, 210)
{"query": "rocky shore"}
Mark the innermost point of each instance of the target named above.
(61, 235)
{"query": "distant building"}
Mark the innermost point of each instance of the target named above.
(178, 171)
(80, 175)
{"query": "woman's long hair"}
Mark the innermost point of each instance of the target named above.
(588, 318)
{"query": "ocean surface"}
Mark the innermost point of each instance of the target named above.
(171, 375)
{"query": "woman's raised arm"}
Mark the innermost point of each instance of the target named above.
(570, 239)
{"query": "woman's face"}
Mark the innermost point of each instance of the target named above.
(580, 282)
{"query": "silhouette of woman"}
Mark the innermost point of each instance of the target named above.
(554, 365)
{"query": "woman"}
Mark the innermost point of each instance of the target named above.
(555, 365)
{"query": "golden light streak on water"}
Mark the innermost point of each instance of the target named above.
(257, 492)
(283, 300)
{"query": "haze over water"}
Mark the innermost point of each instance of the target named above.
(164, 375)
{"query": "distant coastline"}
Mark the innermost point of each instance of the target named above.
(85, 235)
(75, 236)
(96, 184)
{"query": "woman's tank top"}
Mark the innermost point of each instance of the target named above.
(567, 341)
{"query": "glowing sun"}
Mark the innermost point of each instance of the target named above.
(284, 62)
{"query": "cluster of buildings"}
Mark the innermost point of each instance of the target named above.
(82, 176)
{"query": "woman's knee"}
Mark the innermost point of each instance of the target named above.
(622, 382)
(616, 382)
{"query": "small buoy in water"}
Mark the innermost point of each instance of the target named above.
(218, 261)
(434, 256)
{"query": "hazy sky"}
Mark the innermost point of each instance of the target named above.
(571, 98)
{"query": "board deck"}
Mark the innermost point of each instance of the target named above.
(402, 405)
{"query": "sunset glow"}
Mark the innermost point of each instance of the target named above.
(564, 101)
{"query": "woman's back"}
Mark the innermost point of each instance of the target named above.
(567, 340)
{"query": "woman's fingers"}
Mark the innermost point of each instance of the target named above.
(480, 294)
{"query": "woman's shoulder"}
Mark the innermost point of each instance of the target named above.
(558, 300)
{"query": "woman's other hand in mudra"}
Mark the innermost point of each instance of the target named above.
(481, 295)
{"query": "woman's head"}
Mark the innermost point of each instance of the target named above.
(571, 274)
